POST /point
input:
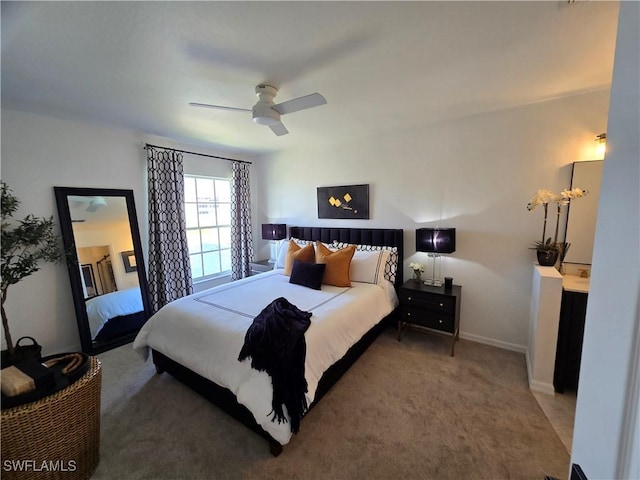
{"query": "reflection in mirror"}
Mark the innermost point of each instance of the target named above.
(106, 268)
(97, 259)
(581, 217)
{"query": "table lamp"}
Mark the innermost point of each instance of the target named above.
(435, 241)
(273, 232)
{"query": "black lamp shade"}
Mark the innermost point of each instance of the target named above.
(274, 231)
(436, 240)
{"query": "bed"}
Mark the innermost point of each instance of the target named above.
(197, 338)
(115, 313)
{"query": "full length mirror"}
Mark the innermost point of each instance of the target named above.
(106, 267)
(581, 219)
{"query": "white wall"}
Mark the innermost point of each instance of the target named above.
(476, 174)
(606, 435)
(40, 152)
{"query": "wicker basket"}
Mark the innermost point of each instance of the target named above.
(56, 437)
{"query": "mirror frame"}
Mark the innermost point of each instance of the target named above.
(64, 215)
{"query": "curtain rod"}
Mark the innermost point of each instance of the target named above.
(194, 153)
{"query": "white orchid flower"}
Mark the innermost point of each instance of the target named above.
(542, 197)
(575, 193)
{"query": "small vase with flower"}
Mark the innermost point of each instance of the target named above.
(418, 269)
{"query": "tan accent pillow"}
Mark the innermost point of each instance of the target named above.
(338, 264)
(295, 252)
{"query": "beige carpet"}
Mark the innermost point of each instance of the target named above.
(404, 410)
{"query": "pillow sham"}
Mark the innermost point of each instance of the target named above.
(295, 252)
(307, 274)
(368, 267)
(338, 264)
(391, 266)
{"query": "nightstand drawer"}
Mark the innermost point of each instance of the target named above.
(428, 319)
(426, 301)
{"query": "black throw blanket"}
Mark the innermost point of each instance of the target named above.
(275, 342)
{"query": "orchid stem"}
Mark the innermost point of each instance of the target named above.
(544, 225)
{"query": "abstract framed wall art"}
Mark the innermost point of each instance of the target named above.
(347, 202)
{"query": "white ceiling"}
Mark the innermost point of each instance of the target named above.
(383, 66)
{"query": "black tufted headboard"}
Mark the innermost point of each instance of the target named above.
(364, 236)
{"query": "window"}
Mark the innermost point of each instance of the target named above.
(207, 204)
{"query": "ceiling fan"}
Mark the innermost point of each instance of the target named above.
(94, 202)
(266, 112)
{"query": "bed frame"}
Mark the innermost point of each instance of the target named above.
(120, 326)
(225, 400)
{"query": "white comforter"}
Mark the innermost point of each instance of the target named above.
(110, 305)
(205, 332)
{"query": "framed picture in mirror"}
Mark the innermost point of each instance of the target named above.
(88, 280)
(129, 261)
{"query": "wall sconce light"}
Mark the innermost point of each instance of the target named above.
(435, 241)
(602, 144)
(272, 232)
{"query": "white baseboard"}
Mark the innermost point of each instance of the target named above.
(535, 385)
(493, 342)
(541, 388)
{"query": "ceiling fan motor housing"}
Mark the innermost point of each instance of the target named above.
(263, 113)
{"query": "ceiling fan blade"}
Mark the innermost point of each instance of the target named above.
(219, 107)
(300, 103)
(279, 129)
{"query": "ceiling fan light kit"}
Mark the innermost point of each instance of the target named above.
(265, 116)
(266, 112)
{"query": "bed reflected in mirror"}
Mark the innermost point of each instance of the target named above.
(106, 268)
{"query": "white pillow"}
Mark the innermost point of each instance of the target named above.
(391, 266)
(368, 267)
(282, 250)
(282, 247)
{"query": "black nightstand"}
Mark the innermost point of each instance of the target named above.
(431, 307)
(260, 266)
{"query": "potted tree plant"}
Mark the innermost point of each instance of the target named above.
(26, 244)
